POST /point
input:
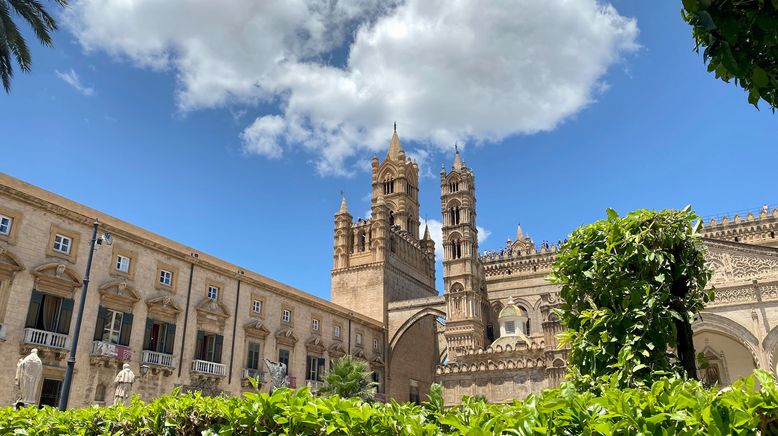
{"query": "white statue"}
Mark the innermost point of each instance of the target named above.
(123, 383)
(278, 378)
(28, 374)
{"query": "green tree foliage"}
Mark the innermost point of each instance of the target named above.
(12, 43)
(631, 286)
(350, 377)
(739, 39)
(670, 406)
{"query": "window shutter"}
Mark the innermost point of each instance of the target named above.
(320, 371)
(102, 314)
(308, 368)
(170, 338)
(147, 335)
(35, 307)
(199, 351)
(217, 354)
(124, 334)
(65, 313)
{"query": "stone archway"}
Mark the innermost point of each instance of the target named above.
(427, 311)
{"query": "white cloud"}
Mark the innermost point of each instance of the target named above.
(436, 233)
(72, 79)
(467, 71)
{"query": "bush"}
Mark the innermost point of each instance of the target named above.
(668, 406)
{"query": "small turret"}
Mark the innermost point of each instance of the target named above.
(343, 220)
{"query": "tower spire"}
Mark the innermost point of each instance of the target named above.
(343, 207)
(519, 233)
(457, 158)
(395, 148)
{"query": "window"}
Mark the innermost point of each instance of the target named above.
(256, 306)
(391, 217)
(454, 215)
(359, 339)
(375, 344)
(453, 187)
(5, 225)
(283, 357)
(165, 278)
(113, 327)
(252, 359)
(286, 315)
(159, 336)
(388, 185)
(456, 249)
(49, 313)
(414, 395)
(362, 240)
(314, 368)
(336, 331)
(315, 325)
(62, 244)
(213, 293)
(510, 327)
(209, 347)
(122, 263)
(490, 332)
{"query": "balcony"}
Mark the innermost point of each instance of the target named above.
(108, 354)
(204, 367)
(155, 358)
(315, 385)
(261, 376)
(46, 339)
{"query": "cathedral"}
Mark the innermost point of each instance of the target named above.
(181, 318)
(492, 332)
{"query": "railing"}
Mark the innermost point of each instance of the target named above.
(47, 339)
(206, 367)
(114, 351)
(156, 358)
(255, 373)
(315, 385)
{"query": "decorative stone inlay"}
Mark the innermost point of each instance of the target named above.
(730, 267)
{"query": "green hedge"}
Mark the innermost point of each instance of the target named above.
(669, 406)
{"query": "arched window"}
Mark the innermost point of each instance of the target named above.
(525, 327)
(391, 217)
(455, 215)
(362, 240)
(408, 225)
(456, 249)
(453, 186)
(388, 185)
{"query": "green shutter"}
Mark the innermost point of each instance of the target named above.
(217, 354)
(102, 314)
(65, 313)
(124, 334)
(170, 338)
(147, 334)
(199, 351)
(35, 307)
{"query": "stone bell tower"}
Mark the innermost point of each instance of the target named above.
(463, 282)
(381, 259)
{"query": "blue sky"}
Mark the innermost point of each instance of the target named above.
(141, 141)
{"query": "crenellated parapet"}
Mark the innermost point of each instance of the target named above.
(516, 265)
(757, 227)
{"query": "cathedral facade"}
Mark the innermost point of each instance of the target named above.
(184, 319)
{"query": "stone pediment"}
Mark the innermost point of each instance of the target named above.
(360, 353)
(57, 279)
(336, 350)
(376, 360)
(735, 263)
(163, 308)
(286, 336)
(256, 328)
(315, 344)
(212, 312)
(9, 264)
(118, 295)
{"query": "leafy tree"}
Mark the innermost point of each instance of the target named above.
(12, 44)
(350, 377)
(631, 288)
(740, 41)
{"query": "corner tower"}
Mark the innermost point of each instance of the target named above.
(382, 259)
(463, 282)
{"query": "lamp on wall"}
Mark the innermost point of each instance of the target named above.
(144, 369)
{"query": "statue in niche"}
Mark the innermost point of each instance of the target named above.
(28, 373)
(123, 383)
(278, 377)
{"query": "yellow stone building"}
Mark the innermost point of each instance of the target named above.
(182, 318)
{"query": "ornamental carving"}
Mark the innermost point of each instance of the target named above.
(730, 267)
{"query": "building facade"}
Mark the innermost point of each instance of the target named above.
(179, 317)
(182, 318)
